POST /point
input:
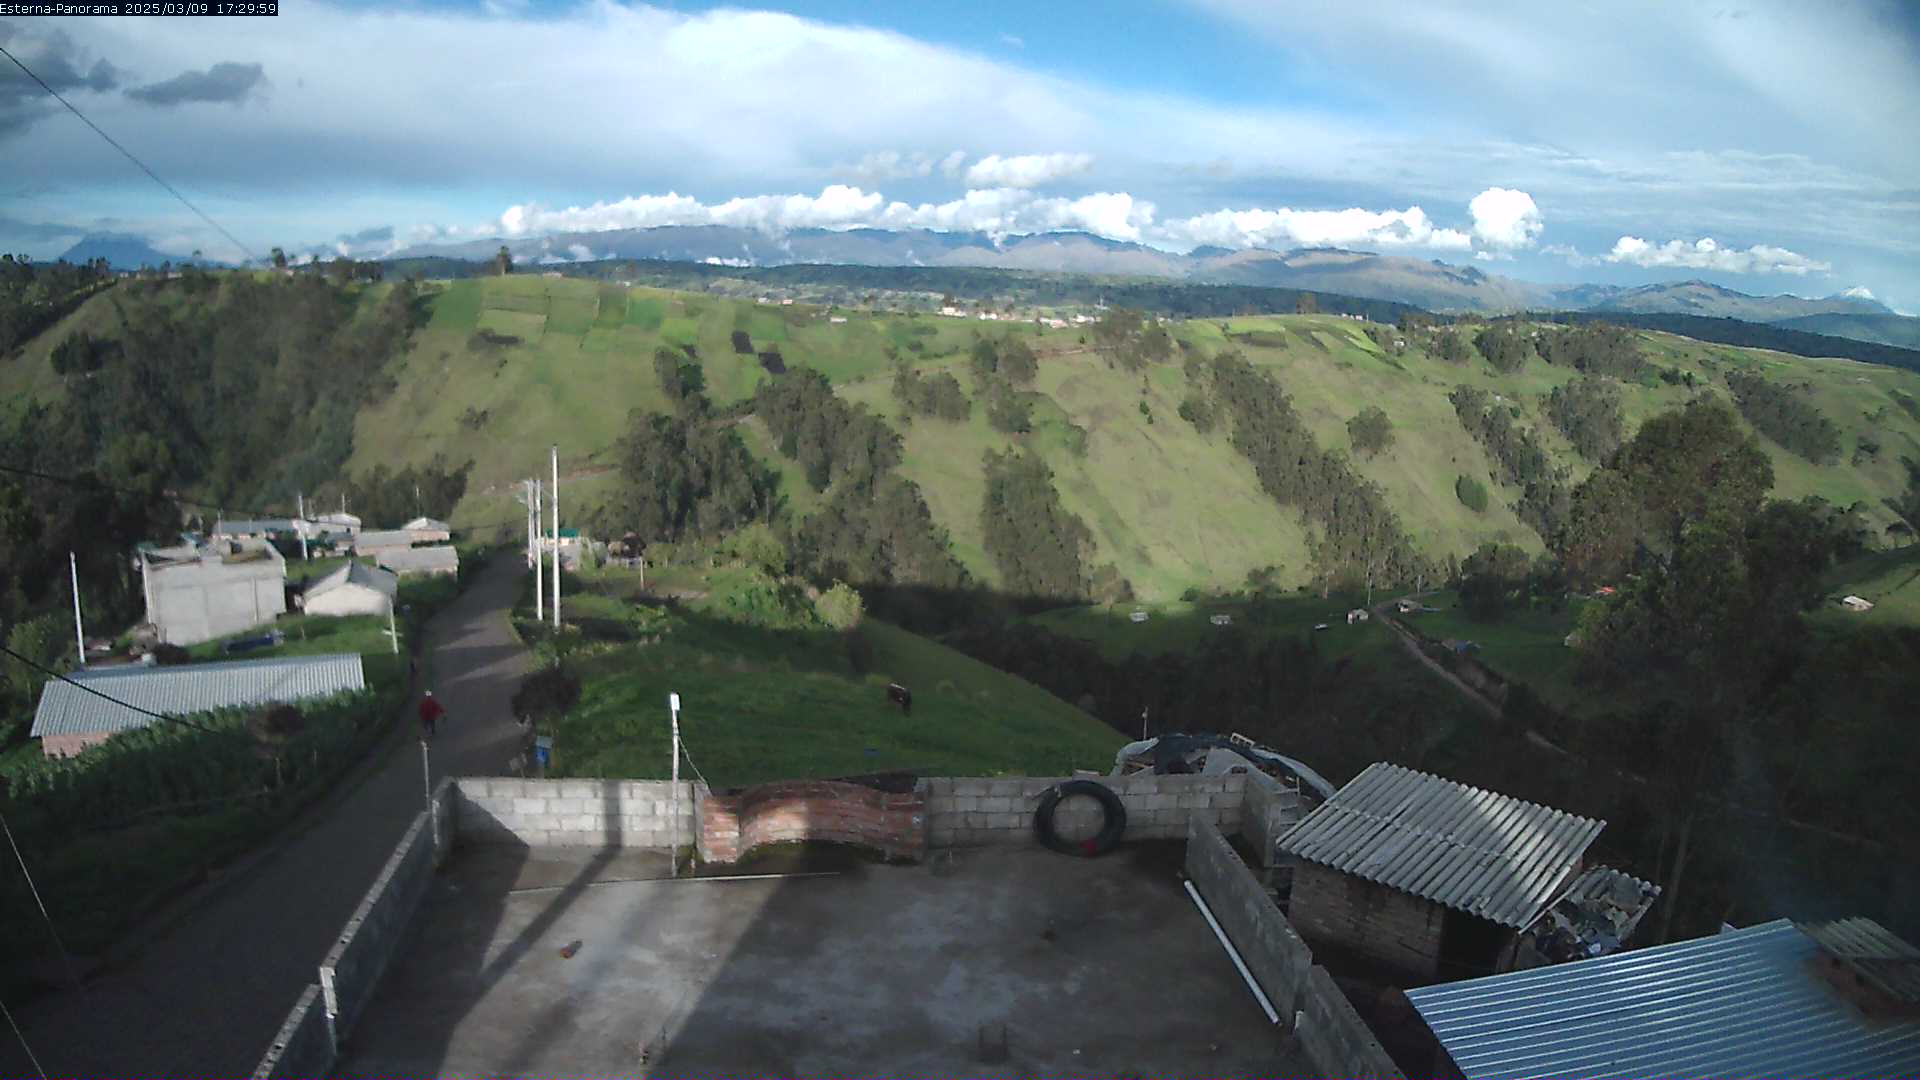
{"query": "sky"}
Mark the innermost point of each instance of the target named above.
(1767, 147)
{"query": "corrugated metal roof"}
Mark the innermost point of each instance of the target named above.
(1873, 952)
(440, 557)
(246, 527)
(427, 524)
(1741, 1003)
(397, 538)
(1477, 851)
(66, 709)
(356, 573)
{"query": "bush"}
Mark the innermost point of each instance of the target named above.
(1471, 493)
(840, 607)
(546, 695)
(1371, 431)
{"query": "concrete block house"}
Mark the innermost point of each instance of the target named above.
(198, 593)
(1429, 877)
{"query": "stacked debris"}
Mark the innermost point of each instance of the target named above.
(1594, 917)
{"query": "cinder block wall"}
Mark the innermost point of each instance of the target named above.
(732, 825)
(975, 811)
(1274, 953)
(304, 1044)
(572, 813)
(1387, 925)
(353, 967)
(1334, 1036)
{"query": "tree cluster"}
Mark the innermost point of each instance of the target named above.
(1009, 358)
(1595, 348)
(1452, 346)
(1522, 461)
(393, 497)
(835, 443)
(1587, 412)
(1038, 545)
(1128, 339)
(34, 296)
(1506, 345)
(1493, 580)
(685, 478)
(1370, 431)
(936, 395)
(1784, 415)
(683, 382)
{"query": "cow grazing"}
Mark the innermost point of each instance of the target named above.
(901, 696)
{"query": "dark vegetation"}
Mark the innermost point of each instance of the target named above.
(34, 296)
(1595, 348)
(936, 395)
(1587, 412)
(1751, 335)
(1506, 345)
(1784, 415)
(1471, 493)
(1037, 545)
(1523, 462)
(1370, 431)
(1130, 339)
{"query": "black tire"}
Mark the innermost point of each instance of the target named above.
(1106, 840)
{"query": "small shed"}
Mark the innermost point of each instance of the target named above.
(1428, 876)
(1222, 619)
(426, 530)
(439, 559)
(1138, 616)
(1357, 615)
(70, 718)
(1856, 603)
(353, 589)
(372, 542)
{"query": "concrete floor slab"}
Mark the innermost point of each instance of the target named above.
(979, 963)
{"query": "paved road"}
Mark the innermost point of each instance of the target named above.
(207, 995)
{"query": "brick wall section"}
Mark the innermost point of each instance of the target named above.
(1395, 928)
(572, 813)
(1273, 952)
(304, 1045)
(359, 956)
(732, 825)
(970, 812)
(1336, 1040)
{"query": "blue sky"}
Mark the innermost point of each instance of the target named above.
(1763, 146)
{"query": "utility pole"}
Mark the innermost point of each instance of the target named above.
(539, 561)
(556, 537)
(300, 500)
(79, 632)
(673, 841)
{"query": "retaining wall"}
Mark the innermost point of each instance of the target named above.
(1267, 942)
(304, 1045)
(1328, 1028)
(1337, 1041)
(732, 825)
(572, 813)
(358, 958)
(973, 811)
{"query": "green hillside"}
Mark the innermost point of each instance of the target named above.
(505, 366)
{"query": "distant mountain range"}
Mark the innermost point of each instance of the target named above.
(124, 251)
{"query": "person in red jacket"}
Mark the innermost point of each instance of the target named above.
(430, 714)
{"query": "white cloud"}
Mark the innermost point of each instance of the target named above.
(1013, 40)
(950, 165)
(1858, 292)
(1287, 228)
(1504, 219)
(883, 165)
(1026, 170)
(1708, 254)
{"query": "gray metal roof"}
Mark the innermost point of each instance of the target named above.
(396, 538)
(1740, 1003)
(427, 524)
(356, 573)
(179, 690)
(246, 527)
(1480, 852)
(439, 557)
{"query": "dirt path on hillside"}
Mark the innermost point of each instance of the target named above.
(205, 996)
(1409, 643)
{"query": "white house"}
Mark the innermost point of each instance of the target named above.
(354, 589)
(196, 594)
(438, 559)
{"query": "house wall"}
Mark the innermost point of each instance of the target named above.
(348, 600)
(732, 825)
(573, 813)
(430, 536)
(54, 746)
(967, 811)
(1394, 928)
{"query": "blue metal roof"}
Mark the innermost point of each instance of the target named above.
(1740, 1003)
(179, 690)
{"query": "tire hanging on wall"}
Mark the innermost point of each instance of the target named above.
(1111, 807)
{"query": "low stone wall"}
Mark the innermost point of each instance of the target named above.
(1267, 942)
(304, 1045)
(1328, 1028)
(1336, 1040)
(357, 960)
(732, 825)
(973, 811)
(573, 813)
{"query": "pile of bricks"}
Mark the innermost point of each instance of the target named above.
(732, 825)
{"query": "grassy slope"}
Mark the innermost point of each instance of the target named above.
(762, 704)
(1171, 508)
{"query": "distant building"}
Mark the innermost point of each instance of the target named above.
(261, 529)
(1856, 603)
(1427, 876)
(198, 593)
(438, 559)
(70, 719)
(354, 589)
(1357, 615)
(1777, 999)
(428, 530)
(572, 547)
(373, 542)
(339, 522)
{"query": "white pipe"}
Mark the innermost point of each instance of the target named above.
(79, 631)
(1234, 955)
(556, 537)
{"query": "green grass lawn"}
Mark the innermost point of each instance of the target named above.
(1890, 579)
(1527, 646)
(1185, 626)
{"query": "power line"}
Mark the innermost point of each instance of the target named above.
(65, 957)
(43, 669)
(171, 190)
(23, 1041)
